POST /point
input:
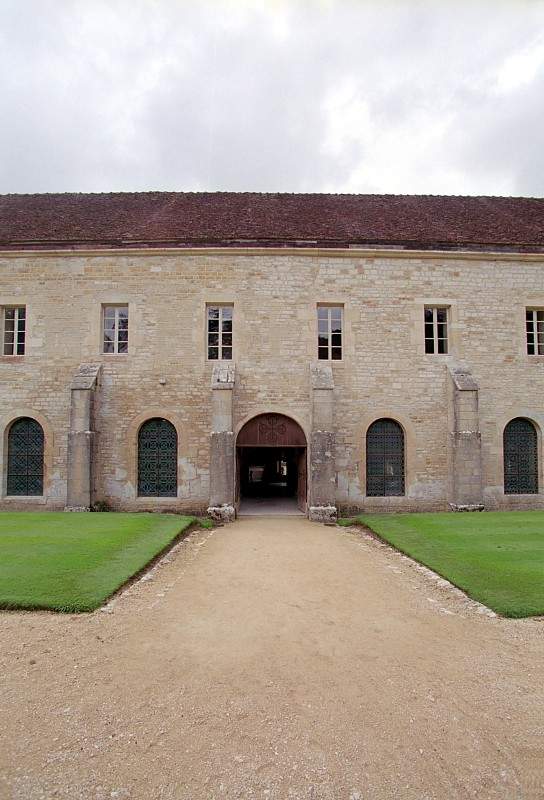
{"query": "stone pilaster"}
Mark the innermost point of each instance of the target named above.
(222, 459)
(322, 484)
(81, 437)
(465, 450)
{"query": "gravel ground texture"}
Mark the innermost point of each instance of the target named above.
(276, 659)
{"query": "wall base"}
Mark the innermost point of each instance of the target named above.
(222, 513)
(466, 507)
(326, 514)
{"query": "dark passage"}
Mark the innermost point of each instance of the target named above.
(271, 466)
(269, 472)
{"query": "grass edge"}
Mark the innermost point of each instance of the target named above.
(356, 522)
(194, 524)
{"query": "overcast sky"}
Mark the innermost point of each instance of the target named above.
(337, 96)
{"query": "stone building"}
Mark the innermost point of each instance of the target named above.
(230, 352)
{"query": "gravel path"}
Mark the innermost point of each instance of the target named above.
(274, 659)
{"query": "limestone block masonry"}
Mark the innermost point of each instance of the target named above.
(452, 408)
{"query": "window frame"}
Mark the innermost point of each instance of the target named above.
(386, 456)
(329, 347)
(513, 473)
(157, 460)
(9, 474)
(16, 332)
(117, 307)
(435, 339)
(220, 333)
(538, 347)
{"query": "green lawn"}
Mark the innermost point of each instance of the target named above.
(495, 557)
(73, 562)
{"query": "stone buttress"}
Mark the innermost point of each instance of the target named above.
(222, 460)
(81, 436)
(465, 447)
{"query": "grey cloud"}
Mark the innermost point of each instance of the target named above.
(138, 95)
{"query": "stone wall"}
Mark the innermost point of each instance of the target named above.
(385, 371)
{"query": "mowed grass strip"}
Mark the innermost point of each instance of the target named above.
(73, 562)
(497, 557)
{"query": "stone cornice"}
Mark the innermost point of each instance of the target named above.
(320, 252)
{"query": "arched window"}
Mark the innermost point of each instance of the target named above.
(25, 458)
(157, 459)
(520, 457)
(384, 459)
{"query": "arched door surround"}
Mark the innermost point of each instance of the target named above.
(271, 456)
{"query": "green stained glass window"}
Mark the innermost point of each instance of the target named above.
(157, 459)
(25, 458)
(384, 459)
(520, 457)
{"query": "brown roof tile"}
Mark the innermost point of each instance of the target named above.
(229, 219)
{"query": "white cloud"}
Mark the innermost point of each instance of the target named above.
(293, 95)
(521, 68)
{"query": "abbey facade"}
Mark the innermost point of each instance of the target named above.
(203, 375)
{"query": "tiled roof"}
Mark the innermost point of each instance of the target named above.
(223, 219)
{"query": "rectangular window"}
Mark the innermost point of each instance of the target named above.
(219, 332)
(436, 330)
(329, 332)
(14, 330)
(534, 323)
(115, 329)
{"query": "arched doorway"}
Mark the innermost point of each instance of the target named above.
(271, 466)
